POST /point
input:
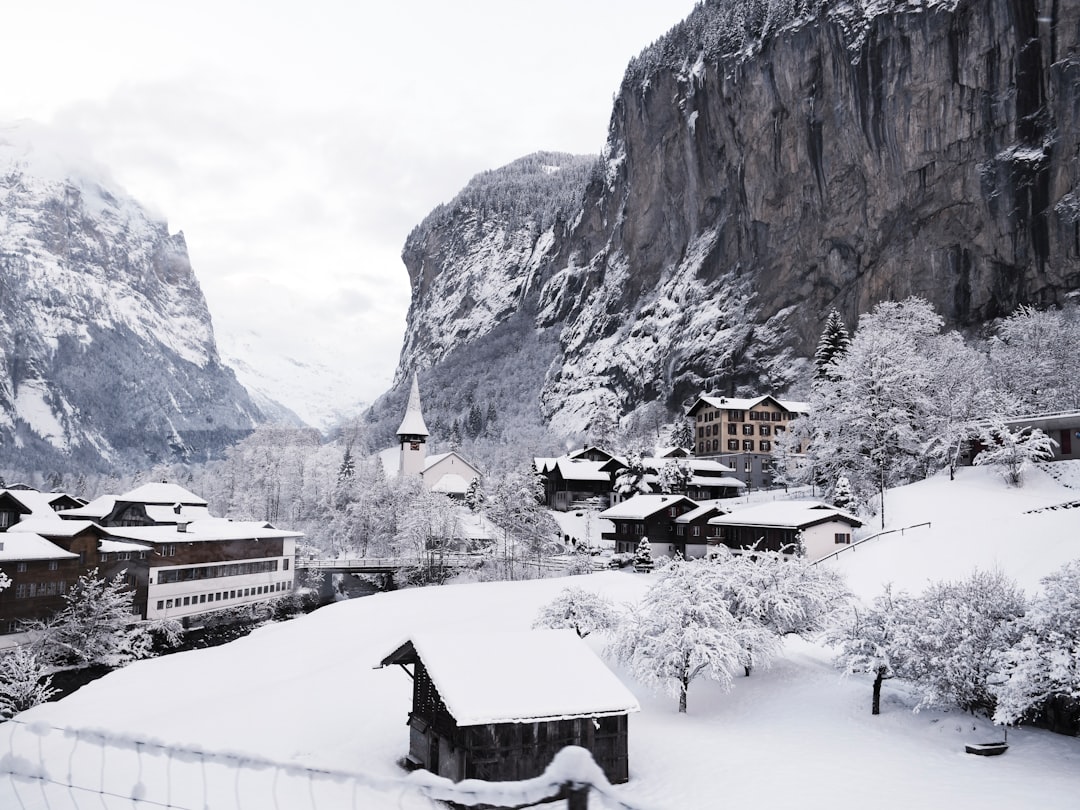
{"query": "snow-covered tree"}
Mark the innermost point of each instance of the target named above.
(782, 595)
(950, 639)
(1013, 450)
(631, 479)
(95, 627)
(579, 610)
(682, 434)
(528, 530)
(674, 476)
(831, 347)
(1045, 662)
(678, 632)
(866, 640)
(643, 560)
(23, 682)
(347, 468)
(1033, 357)
(842, 497)
(474, 495)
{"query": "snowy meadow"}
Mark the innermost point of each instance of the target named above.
(282, 715)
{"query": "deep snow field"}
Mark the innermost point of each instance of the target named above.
(305, 694)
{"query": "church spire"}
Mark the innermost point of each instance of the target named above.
(413, 423)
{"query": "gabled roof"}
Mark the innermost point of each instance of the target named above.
(413, 423)
(431, 461)
(716, 481)
(160, 493)
(107, 546)
(20, 546)
(516, 676)
(56, 527)
(97, 509)
(34, 502)
(785, 515)
(704, 510)
(575, 470)
(592, 449)
(642, 506)
(745, 404)
(451, 484)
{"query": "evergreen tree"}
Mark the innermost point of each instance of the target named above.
(474, 496)
(474, 424)
(682, 434)
(643, 560)
(842, 497)
(832, 346)
(455, 436)
(492, 416)
(1014, 451)
(347, 468)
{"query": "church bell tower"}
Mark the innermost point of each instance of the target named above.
(413, 435)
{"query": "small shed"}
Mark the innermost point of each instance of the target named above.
(498, 706)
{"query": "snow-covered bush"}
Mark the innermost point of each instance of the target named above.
(579, 610)
(23, 682)
(1045, 662)
(1013, 450)
(95, 627)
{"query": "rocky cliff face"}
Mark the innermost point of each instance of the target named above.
(107, 352)
(843, 158)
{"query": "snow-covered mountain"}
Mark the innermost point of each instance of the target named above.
(107, 351)
(762, 168)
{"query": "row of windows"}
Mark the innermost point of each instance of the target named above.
(770, 416)
(239, 593)
(747, 446)
(215, 571)
(740, 416)
(122, 555)
(27, 590)
(733, 430)
(695, 531)
(20, 567)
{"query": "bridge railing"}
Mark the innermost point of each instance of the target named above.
(42, 766)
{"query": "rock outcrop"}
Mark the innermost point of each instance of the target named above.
(838, 160)
(107, 352)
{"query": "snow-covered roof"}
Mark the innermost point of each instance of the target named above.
(53, 527)
(451, 484)
(745, 404)
(544, 463)
(202, 530)
(516, 676)
(642, 506)
(708, 465)
(107, 546)
(715, 481)
(98, 508)
(159, 513)
(161, 493)
(39, 503)
(431, 461)
(413, 423)
(574, 470)
(30, 546)
(785, 514)
(705, 508)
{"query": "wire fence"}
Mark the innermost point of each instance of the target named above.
(45, 767)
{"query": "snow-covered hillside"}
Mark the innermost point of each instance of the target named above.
(797, 736)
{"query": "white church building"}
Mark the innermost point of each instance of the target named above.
(449, 473)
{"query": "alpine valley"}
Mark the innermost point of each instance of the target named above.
(762, 168)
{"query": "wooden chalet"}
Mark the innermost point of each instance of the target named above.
(651, 516)
(569, 481)
(782, 525)
(499, 706)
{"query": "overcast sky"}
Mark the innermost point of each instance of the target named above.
(296, 143)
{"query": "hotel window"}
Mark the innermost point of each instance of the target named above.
(732, 429)
(733, 444)
(161, 604)
(715, 445)
(747, 430)
(777, 416)
(748, 445)
(764, 430)
(765, 445)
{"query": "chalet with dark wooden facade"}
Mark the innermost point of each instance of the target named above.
(651, 516)
(499, 706)
(572, 481)
(692, 532)
(783, 525)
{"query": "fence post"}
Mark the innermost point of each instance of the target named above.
(577, 798)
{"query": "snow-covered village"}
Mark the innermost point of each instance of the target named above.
(731, 458)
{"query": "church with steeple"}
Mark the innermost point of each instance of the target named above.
(449, 473)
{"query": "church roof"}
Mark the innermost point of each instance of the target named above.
(413, 423)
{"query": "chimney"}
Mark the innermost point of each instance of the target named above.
(181, 526)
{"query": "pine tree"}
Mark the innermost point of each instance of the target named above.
(682, 434)
(643, 560)
(833, 345)
(347, 468)
(842, 497)
(474, 496)
(475, 424)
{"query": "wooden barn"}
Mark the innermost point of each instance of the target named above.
(498, 706)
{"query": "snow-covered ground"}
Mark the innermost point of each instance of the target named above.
(305, 693)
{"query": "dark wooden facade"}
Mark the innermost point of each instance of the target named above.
(500, 752)
(659, 527)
